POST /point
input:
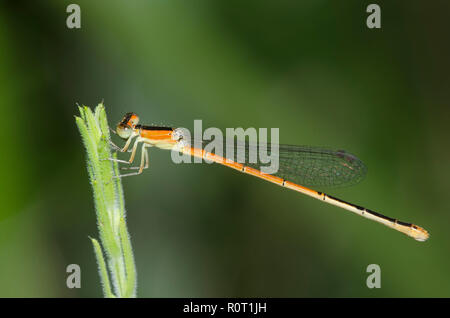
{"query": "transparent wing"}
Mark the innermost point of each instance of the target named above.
(315, 166)
(305, 165)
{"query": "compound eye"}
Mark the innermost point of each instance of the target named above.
(130, 119)
(134, 120)
(123, 131)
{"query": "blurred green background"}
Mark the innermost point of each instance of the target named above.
(311, 68)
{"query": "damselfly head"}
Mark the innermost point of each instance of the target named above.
(125, 128)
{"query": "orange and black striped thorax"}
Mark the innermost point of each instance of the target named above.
(154, 132)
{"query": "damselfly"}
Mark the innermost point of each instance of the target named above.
(298, 166)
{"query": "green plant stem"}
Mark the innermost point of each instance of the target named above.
(109, 206)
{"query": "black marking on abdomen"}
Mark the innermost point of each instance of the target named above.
(324, 196)
(351, 204)
(404, 223)
(339, 200)
(364, 210)
(382, 216)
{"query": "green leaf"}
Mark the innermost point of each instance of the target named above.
(129, 260)
(109, 205)
(102, 269)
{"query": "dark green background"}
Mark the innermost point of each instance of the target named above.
(311, 68)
